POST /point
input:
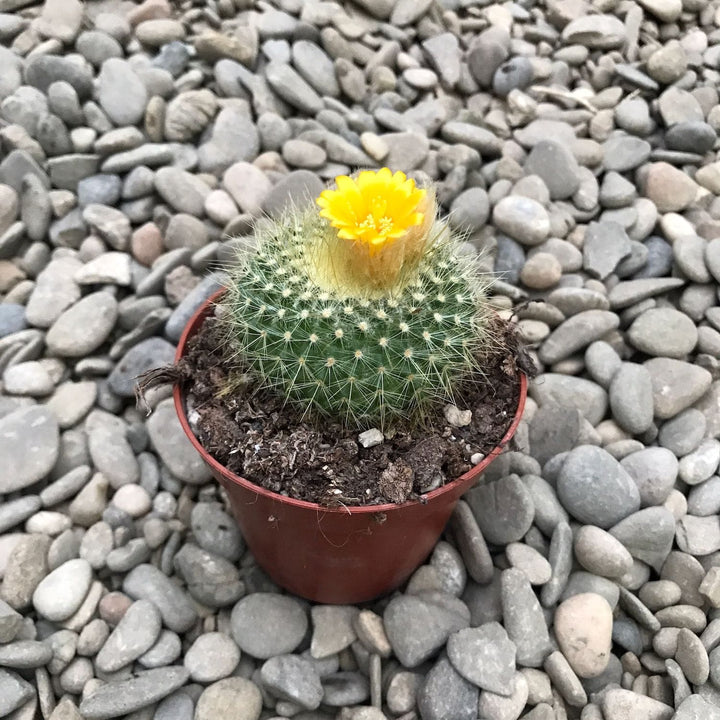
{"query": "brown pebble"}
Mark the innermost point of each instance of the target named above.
(146, 244)
(10, 275)
(669, 188)
(113, 607)
(541, 271)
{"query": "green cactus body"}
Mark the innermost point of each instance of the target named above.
(365, 359)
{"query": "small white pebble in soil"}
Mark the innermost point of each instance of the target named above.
(476, 458)
(193, 417)
(457, 417)
(370, 438)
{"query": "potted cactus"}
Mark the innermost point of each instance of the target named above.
(331, 386)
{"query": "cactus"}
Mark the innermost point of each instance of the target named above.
(367, 333)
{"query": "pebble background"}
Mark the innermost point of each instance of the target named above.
(574, 141)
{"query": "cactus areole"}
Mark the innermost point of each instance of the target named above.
(363, 311)
(357, 313)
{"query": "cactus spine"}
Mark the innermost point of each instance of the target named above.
(365, 355)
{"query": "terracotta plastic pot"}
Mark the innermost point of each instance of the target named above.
(336, 555)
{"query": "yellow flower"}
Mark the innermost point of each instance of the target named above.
(374, 209)
(383, 226)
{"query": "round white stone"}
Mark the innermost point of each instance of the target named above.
(133, 499)
(62, 592)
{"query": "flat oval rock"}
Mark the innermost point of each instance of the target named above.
(576, 333)
(619, 704)
(149, 583)
(523, 618)
(583, 627)
(595, 488)
(29, 447)
(590, 399)
(212, 580)
(598, 32)
(211, 657)
(332, 629)
(25, 654)
(121, 698)
(233, 698)
(654, 471)
(676, 385)
(215, 531)
(630, 292)
(170, 442)
(648, 535)
(663, 332)
(61, 593)
(503, 509)
(135, 634)
(84, 326)
(631, 398)
(252, 615)
(698, 535)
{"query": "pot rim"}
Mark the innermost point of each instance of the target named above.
(178, 397)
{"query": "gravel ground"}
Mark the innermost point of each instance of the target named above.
(576, 144)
